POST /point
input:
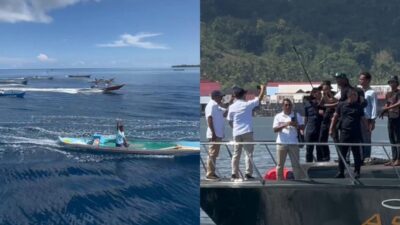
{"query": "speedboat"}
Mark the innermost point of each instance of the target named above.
(78, 76)
(16, 94)
(40, 78)
(106, 144)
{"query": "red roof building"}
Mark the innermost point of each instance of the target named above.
(206, 87)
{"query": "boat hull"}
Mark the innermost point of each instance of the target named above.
(113, 88)
(79, 76)
(18, 95)
(300, 202)
(135, 148)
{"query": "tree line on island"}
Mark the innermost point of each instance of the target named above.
(249, 42)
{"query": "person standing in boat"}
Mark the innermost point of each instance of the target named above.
(351, 113)
(287, 123)
(392, 109)
(344, 85)
(120, 137)
(370, 113)
(312, 121)
(327, 104)
(240, 117)
(215, 114)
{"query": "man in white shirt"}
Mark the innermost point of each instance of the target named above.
(215, 131)
(240, 117)
(370, 113)
(287, 123)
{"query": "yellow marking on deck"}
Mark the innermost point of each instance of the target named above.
(374, 220)
(396, 220)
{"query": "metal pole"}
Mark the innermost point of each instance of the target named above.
(202, 162)
(302, 66)
(341, 157)
(394, 167)
(230, 154)
(272, 157)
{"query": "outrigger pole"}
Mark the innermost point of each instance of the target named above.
(302, 65)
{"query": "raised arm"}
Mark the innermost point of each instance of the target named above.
(262, 92)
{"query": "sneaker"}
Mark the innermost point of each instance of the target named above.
(339, 175)
(212, 177)
(248, 177)
(235, 177)
(357, 175)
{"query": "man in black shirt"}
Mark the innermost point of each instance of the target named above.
(351, 113)
(344, 85)
(312, 121)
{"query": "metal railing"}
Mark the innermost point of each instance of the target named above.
(266, 144)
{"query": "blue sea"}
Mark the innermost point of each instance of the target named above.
(42, 183)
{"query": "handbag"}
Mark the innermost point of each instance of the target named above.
(300, 137)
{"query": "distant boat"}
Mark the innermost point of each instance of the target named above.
(78, 76)
(13, 81)
(40, 78)
(16, 94)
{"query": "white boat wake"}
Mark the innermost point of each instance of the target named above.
(57, 90)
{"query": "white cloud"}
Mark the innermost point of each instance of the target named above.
(128, 40)
(13, 11)
(44, 58)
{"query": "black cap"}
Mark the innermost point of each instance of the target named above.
(393, 79)
(340, 75)
(325, 82)
(316, 89)
(238, 92)
(216, 93)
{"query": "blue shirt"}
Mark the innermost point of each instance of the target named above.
(370, 109)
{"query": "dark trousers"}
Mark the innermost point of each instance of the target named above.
(394, 136)
(312, 135)
(323, 138)
(366, 138)
(347, 137)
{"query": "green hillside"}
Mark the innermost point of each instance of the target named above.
(248, 42)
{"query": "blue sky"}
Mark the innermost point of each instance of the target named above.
(99, 33)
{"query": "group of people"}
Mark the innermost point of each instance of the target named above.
(348, 116)
(239, 113)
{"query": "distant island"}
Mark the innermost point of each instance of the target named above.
(184, 66)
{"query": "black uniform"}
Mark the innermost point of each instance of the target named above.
(312, 129)
(324, 133)
(350, 126)
(361, 101)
